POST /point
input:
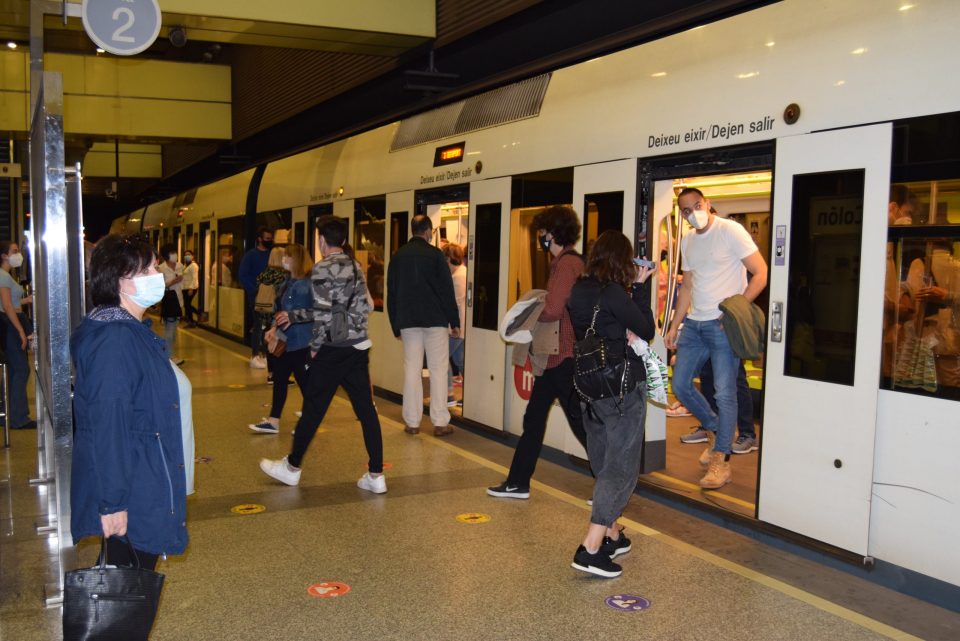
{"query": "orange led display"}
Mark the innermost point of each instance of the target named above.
(449, 154)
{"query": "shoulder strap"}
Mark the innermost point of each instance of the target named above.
(591, 331)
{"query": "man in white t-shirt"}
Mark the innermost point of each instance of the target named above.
(716, 260)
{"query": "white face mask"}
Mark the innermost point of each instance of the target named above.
(149, 290)
(172, 258)
(698, 218)
(15, 260)
(287, 263)
(187, 258)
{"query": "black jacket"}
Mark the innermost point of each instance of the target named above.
(619, 311)
(420, 288)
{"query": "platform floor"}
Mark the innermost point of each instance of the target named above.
(414, 570)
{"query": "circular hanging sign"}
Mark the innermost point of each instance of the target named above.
(627, 602)
(328, 589)
(473, 518)
(122, 27)
(248, 508)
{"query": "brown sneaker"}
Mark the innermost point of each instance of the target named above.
(411, 430)
(443, 430)
(718, 474)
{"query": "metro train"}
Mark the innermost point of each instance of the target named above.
(794, 119)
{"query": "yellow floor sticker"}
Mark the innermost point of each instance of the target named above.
(248, 508)
(473, 518)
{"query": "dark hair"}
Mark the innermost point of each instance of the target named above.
(454, 254)
(334, 230)
(561, 222)
(611, 259)
(901, 195)
(263, 229)
(5, 246)
(115, 257)
(421, 224)
(166, 250)
(693, 190)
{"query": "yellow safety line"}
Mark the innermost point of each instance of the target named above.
(757, 577)
(697, 488)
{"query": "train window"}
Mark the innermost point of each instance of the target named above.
(369, 240)
(299, 233)
(824, 278)
(230, 302)
(314, 212)
(600, 213)
(921, 324)
(529, 265)
(399, 230)
(486, 269)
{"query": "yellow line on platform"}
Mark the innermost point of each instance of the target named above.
(635, 526)
(697, 488)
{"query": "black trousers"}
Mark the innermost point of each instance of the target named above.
(331, 368)
(295, 363)
(118, 553)
(189, 311)
(554, 384)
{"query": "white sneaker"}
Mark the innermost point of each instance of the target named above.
(258, 362)
(282, 471)
(375, 484)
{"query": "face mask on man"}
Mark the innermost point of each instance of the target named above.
(545, 243)
(149, 290)
(187, 258)
(267, 244)
(698, 218)
(15, 260)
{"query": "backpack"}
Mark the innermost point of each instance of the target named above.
(266, 298)
(601, 365)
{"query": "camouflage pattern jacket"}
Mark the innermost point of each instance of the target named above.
(336, 279)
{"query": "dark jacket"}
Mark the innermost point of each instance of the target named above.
(128, 447)
(619, 311)
(745, 326)
(420, 288)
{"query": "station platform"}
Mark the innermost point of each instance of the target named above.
(434, 557)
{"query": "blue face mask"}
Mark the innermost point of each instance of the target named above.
(149, 290)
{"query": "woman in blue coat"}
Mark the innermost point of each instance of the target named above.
(129, 474)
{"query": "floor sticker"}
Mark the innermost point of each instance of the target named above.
(627, 602)
(203, 459)
(237, 386)
(473, 518)
(248, 508)
(328, 589)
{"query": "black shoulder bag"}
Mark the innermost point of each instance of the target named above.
(110, 603)
(340, 314)
(601, 365)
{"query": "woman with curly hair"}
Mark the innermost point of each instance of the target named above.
(614, 426)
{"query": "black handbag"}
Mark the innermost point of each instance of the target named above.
(601, 365)
(110, 603)
(170, 305)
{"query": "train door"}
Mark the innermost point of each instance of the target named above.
(202, 247)
(487, 270)
(830, 203)
(389, 372)
(313, 241)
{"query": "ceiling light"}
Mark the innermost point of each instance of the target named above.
(859, 51)
(839, 83)
(771, 43)
(907, 7)
(659, 74)
(751, 74)
(11, 45)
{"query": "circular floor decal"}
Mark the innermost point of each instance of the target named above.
(627, 602)
(473, 517)
(248, 508)
(327, 589)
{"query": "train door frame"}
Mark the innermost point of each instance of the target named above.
(389, 372)
(804, 452)
(203, 260)
(663, 170)
(485, 353)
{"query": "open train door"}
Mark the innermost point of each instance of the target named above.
(824, 333)
(487, 270)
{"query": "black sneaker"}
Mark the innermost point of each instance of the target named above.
(509, 491)
(612, 548)
(598, 563)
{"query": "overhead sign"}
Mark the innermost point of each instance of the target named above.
(121, 27)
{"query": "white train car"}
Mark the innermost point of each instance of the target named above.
(795, 119)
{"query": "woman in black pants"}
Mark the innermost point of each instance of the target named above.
(614, 427)
(295, 293)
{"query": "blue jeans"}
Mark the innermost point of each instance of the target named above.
(745, 425)
(456, 359)
(700, 341)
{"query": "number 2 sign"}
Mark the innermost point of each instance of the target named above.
(122, 27)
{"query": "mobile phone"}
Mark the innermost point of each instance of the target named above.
(642, 262)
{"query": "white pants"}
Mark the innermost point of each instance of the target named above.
(435, 341)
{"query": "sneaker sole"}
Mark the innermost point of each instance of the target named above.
(277, 478)
(746, 451)
(620, 551)
(261, 430)
(370, 489)
(508, 495)
(714, 487)
(690, 441)
(589, 569)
